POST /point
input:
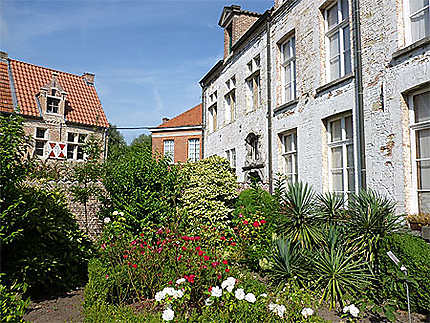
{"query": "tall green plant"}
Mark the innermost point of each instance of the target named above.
(331, 207)
(299, 221)
(371, 217)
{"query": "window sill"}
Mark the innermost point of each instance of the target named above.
(335, 83)
(409, 49)
(286, 106)
(254, 165)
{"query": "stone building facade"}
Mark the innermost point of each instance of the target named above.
(60, 110)
(180, 137)
(347, 103)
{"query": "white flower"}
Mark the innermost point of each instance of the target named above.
(115, 213)
(216, 291)
(209, 301)
(229, 284)
(178, 294)
(277, 309)
(250, 297)
(180, 281)
(354, 310)
(239, 294)
(106, 220)
(263, 295)
(307, 312)
(346, 309)
(168, 314)
(169, 291)
(159, 296)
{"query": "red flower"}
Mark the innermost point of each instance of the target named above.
(198, 248)
(141, 234)
(196, 238)
(125, 256)
(210, 289)
(245, 222)
(205, 267)
(107, 276)
(134, 266)
(190, 278)
(170, 282)
(225, 262)
(227, 270)
(222, 238)
(256, 224)
(263, 221)
(201, 253)
(179, 257)
(186, 238)
(206, 258)
(219, 276)
(233, 244)
(184, 248)
(214, 264)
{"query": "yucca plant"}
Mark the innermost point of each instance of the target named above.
(339, 268)
(299, 215)
(371, 217)
(331, 207)
(287, 261)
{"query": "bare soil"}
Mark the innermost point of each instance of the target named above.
(65, 308)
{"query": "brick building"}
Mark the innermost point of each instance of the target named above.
(180, 137)
(60, 110)
(343, 99)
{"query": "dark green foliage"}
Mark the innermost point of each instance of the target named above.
(299, 216)
(143, 188)
(142, 139)
(116, 142)
(331, 207)
(43, 245)
(12, 305)
(414, 253)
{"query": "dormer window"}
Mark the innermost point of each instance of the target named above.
(52, 105)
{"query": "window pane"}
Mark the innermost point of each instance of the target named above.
(286, 51)
(70, 151)
(287, 90)
(350, 154)
(351, 180)
(337, 180)
(289, 164)
(422, 107)
(80, 153)
(348, 127)
(334, 45)
(336, 157)
(347, 50)
(71, 137)
(423, 143)
(287, 74)
(40, 133)
(336, 131)
(289, 143)
(293, 46)
(416, 5)
(332, 18)
(345, 9)
(424, 202)
(423, 174)
(420, 25)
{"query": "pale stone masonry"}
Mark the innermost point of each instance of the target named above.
(323, 126)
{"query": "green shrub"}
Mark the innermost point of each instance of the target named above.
(12, 305)
(414, 253)
(42, 244)
(209, 194)
(145, 189)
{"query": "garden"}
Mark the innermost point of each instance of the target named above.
(184, 243)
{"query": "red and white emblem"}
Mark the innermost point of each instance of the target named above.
(57, 150)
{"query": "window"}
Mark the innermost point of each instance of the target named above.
(288, 70)
(52, 105)
(81, 138)
(213, 118)
(420, 103)
(341, 156)
(71, 137)
(230, 106)
(169, 150)
(75, 145)
(418, 19)
(338, 46)
(39, 149)
(253, 84)
(231, 157)
(289, 154)
(193, 150)
(252, 147)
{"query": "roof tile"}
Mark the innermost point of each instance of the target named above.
(191, 117)
(6, 104)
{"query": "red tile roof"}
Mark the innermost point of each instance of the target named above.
(192, 117)
(82, 102)
(6, 104)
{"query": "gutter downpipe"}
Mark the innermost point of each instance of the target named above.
(359, 101)
(269, 104)
(203, 119)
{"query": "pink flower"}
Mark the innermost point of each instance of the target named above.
(240, 215)
(256, 224)
(245, 222)
(160, 249)
(214, 264)
(219, 276)
(206, 258)
(225, 262)
(103, 246)
(107, 276)
(263, 221)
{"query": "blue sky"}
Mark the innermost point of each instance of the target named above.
(148, 55)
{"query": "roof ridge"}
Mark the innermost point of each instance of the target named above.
(47, 68)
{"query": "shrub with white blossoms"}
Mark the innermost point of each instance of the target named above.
(168, 314)
(106, 220)
(175, 293)
(351, 309)
(306, 312)
(229, 284)
(277, 309)
(216, 291)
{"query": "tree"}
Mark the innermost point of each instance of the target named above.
(142, 139)
(116, 140)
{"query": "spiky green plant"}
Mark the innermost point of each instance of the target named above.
(299, 215)
(371, 217)
(287, 261)
(331, 207)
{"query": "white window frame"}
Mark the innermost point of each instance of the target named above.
(48, 97)
(408, 24)
(43, 140)
(288, 62)
(290, 153)
(253, 83)
(414, 127)
(230, 107)
(169, 149)
(342, 24)
(344, 143)
(213, 117)
(193, 149)
(231, 157)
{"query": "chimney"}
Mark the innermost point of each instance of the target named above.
(3, 55)
(89, 77)
(236, 23)
(165, 120)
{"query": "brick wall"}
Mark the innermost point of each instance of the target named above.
(181, 143)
